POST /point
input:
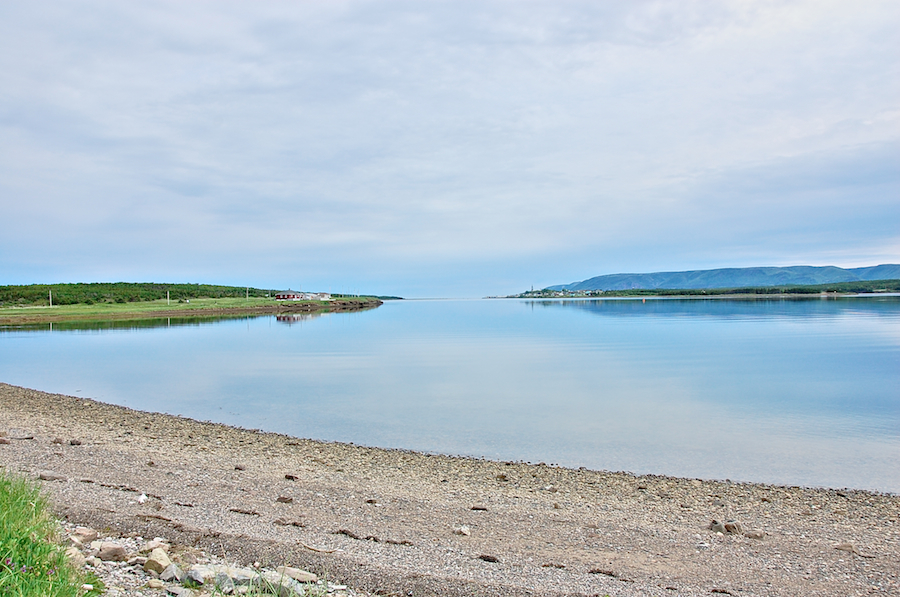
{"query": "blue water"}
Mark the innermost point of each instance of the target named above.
(800, 392)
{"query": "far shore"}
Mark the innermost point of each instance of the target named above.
(395, 522)
(193, 308)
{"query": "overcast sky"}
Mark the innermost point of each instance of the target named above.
(443, 148)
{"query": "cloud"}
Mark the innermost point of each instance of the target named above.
(397, 138)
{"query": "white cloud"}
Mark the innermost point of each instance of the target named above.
(457, 135)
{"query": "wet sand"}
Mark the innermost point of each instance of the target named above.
(394, 522)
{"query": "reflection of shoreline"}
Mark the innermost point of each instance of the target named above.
(123, 324)
(292, 318)
(725, 307)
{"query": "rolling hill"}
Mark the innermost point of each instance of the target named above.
(736, 278)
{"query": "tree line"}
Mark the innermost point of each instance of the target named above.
(118, 292)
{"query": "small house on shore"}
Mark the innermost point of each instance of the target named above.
(288, 295)
(293, 295)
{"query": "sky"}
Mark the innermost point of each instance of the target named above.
(443, 149)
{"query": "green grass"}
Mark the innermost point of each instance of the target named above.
(32, 563)
(99, 309)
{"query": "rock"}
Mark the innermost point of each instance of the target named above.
(155, 583)
(74, 541)
(138, 561)
(57, 440)
(75, 556)
(716, 527)
(852, 549)
(158, 542)
(224, 583)
(3, 440)
(242, 577)
(754, 534)
(278, 584)
(93, 561)
(734, 527)
(179, 591)
(74, 442)
(463, 530)
(206, 571)
(158, 561)
(194, 578)
(50, 476)
(112, 552)
(172, 573)
(85, 534)
(297, 574)
(285, 500)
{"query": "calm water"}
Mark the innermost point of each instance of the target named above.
(797, 392)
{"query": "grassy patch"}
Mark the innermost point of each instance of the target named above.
(32, 563)
(113, 309)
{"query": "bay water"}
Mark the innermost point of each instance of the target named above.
(797, 392)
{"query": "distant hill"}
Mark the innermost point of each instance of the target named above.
(736, 278)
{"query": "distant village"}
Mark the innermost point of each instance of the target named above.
(548, 293)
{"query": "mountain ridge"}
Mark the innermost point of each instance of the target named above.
(736, 278)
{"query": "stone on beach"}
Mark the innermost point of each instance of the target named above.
(112, 552)
(157, 542)
(195, 577)
(281, 584)
(172, 573)
(85, 534)
(75, 556)
(158, 561)
(297, 574)
(224, 583)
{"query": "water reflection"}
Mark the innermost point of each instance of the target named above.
(123, 324)
(292, 318)
(806, 307)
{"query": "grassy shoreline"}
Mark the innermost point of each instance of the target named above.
(32, 561)
(201, 307)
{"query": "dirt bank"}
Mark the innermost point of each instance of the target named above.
(395, 522)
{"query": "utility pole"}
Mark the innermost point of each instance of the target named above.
(167, 298)
(51, 298)
(248, 293)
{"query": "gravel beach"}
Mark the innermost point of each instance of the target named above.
(391, 522)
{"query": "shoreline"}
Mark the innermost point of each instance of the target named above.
(439, 525)
(187, 311)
